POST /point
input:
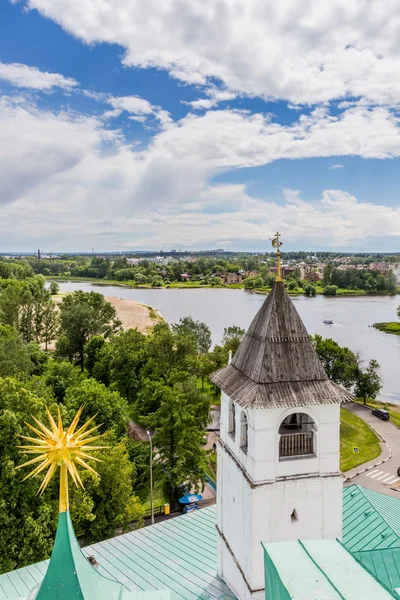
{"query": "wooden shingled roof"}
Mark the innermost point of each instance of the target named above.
(276, 364)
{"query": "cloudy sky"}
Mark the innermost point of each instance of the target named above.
(148, 124)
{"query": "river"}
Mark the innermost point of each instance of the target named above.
(220, 308)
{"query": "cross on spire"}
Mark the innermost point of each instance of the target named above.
(276, 243)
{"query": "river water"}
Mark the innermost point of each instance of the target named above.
(220, 308)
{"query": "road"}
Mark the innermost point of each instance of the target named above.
(382, 478)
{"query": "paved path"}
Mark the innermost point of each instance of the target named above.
(379, 474)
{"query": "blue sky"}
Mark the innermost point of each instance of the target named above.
(195, 124)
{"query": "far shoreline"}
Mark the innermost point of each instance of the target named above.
(341, 292)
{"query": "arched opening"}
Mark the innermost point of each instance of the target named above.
(297, 436)
(232, 419)
(243, 431)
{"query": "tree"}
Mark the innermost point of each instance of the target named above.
(151, 396)
(368, 382)
(232, 338)
(27, 521)
(127, 359)
(59, 376)
(330, 290)
(197, 329)
(111, 409)
(112, 501)
(339, 363)
(168, 351)
(83, 315)
(54, 288)
(179, 439)
(92, 351)
(309, 289)
(14, 353)
(49, 323)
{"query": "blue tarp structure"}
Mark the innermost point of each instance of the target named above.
(190, 498)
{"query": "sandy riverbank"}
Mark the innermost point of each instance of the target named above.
(133, 315)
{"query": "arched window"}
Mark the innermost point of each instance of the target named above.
(243, 431)
(232, 419)
(297, 436)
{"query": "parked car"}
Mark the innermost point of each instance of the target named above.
(381, 414)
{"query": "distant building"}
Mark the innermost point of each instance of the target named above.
(229, 278)
(185, 276)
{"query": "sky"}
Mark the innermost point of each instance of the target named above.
(199, 124)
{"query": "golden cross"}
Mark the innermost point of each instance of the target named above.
(276, 243)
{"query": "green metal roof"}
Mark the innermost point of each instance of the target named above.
(181, 554)
(315, 570)
(384, 565)
(371, 520)
(178, 555)
(70, 576)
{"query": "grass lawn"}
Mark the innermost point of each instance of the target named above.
(160, 496)
(355, 432)
(209, 390)
(393, 327)
(394, 409)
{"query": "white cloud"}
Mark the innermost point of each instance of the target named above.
(215, 96)
(336, 167)
(24, 76)
(132, 104)
(70, 179)
(141, 108)
(299, 50)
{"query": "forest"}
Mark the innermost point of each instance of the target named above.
(158, 380)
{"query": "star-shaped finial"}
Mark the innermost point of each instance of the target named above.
(59, 447)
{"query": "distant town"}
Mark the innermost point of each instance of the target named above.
(311, 273)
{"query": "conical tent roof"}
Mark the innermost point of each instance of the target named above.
(276, 364)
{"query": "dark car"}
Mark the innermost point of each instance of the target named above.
(381, 414)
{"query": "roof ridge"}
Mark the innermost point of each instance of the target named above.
(352, 554)
(320, 569)
(361, 488)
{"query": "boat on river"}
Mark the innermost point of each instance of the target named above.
(328, 321)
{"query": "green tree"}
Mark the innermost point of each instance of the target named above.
(54, 288)
(232, 338)
(179, 439)
(151, 396)
(168, 351)
(326, 278)
(92, 351)
(111, 409)
(49, 323)
(59, 376)
(27, 521)
(15, 355)
(127, 359)
(197, 329)
(368, 382)
(339, 363)
(82, 316)
(330, 290)
(110, 498)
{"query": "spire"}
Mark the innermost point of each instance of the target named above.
(69, 573)
(276, 364)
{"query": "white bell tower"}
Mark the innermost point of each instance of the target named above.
(278, 456)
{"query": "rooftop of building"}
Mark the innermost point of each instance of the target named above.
(180, 554)
(276, 364)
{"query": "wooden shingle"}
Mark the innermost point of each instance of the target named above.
(276, 364)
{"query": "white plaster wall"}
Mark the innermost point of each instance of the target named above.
(249, 514)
